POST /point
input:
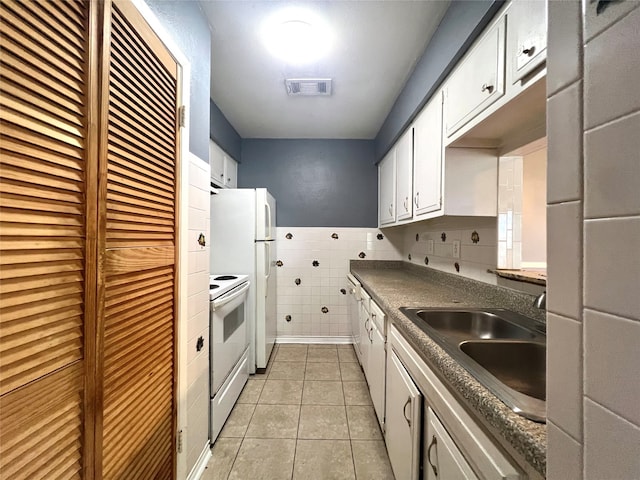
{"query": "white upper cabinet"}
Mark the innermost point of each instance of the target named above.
(404, 176)
(527, 32)
(427, 158)
(216, 160)
(387, 188)
(478, 80)
(230, 172)
(224, 169)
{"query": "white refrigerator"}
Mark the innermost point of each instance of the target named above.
(242, 239)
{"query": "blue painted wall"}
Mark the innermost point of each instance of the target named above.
(460, 26)
(188, 27)
(316, 183)
(223, 133)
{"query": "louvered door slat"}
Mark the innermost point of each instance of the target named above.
(34, 408)
(16, 68)
(43, 11)
(139, 241)
(43, 231)
(25, 18)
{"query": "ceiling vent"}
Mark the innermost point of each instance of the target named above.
(308, 87)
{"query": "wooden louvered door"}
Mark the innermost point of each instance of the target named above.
(47, 248)
(138, 235)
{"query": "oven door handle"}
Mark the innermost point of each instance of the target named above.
(229, 296)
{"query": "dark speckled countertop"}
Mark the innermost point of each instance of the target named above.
(398, 284)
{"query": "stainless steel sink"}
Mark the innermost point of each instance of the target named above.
(521, 366)
(503, 350)
(460, 325)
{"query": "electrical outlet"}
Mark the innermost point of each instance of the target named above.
(456, 249)
(430, 247)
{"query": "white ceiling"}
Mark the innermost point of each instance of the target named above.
(376, 46)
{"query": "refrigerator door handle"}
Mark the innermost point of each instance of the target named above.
(267, 232)
(267, 260)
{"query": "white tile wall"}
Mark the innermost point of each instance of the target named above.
(475, 258)
(564, 125)
(197, 395)
(322, 285)
(612, 265)
(612, 69)
(612, 169)
(606, 274)
(612, 347)
(564, 454)
(564, 388)
(565, 60)
(564, 259)
(611, 445)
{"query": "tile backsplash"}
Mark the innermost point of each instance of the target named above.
(435, 243)
(312, 277)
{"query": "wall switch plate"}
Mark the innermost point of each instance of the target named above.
(430, 247)
(456, 249)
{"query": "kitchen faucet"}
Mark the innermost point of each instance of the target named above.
(541, 301)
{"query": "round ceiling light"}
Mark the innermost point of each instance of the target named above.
(296, 36)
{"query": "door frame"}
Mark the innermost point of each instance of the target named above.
(180, 382)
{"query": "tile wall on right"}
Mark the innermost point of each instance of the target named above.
(593, 240)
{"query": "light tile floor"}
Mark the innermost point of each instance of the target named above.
(308, 417)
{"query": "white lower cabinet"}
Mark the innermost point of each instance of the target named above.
(377, 358)
(354, 312)
(364, 330)
(403, 423)
(454, 445)
(370, 345)
(442, 458)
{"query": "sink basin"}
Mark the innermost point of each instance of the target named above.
(460, 325)
(521, 366)
(503, 350)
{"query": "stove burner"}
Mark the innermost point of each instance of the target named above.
(226, 277)
(213, 286)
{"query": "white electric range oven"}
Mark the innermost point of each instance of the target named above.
(229, 344)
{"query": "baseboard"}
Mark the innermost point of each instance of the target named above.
(201, 464)
(314, 340)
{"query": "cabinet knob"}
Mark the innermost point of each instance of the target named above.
(487, 88)
(529, 51)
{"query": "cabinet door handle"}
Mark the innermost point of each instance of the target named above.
(404, 411)
(405, 204)
(433, 443)
(487, 88)
(365, 324)
(391, 209)
(370, 336)
(417, 199)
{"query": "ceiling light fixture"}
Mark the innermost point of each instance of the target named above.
(296, 36)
